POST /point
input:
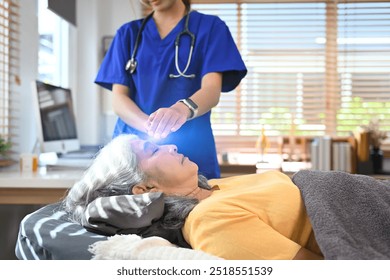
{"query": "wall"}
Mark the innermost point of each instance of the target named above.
(28, 72)
(108, 16)
(95, 18)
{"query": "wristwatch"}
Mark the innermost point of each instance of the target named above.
(192, 106)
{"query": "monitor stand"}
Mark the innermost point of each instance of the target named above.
(74, 159)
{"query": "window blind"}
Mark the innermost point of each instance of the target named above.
(363, 64)
(9, 71)
(314, 68)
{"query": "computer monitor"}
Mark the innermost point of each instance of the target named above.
(55, 118)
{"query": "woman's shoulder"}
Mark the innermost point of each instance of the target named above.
(130, 26)
(206, 19)
(271, 174)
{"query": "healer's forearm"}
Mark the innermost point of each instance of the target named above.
(207, 97)
(127, 110)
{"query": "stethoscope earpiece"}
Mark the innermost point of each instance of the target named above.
(131, 64)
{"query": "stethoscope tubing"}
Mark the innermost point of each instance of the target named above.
(182, 73)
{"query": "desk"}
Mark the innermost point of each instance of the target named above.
(22, 193)
(233, 169)
(42, 187)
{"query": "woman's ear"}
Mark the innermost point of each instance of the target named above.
(140, 189)
(145, 187)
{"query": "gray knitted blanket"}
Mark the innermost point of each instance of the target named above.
(350, 213)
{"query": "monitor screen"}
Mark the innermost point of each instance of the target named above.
(56, 123)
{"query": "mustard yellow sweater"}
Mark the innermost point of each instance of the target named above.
(259, 216)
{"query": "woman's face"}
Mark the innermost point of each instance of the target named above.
(168, 171)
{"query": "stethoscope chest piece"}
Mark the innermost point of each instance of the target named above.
(131, 65)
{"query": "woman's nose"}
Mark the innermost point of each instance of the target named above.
(172, 148)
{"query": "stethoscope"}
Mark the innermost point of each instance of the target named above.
(131, 65)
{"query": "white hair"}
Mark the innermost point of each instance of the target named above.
(114, 171)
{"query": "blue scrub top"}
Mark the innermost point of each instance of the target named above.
(151, 87)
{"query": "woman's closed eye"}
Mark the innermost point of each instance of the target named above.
(151, 148)
(155, 150)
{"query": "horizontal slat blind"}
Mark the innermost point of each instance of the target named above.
(364, 64)
(314, 68)
(285, 88)
(9, 70)
(226, 117)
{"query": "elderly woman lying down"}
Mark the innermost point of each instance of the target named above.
(258, 216)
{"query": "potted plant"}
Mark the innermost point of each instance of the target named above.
(5, 147)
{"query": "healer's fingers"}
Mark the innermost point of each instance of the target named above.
(172, 125)
(179, 122)
(165, 121)
(161, 127)
(154, 121)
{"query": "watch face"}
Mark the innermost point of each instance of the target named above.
(192, 103)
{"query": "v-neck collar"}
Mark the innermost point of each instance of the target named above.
(151, 28)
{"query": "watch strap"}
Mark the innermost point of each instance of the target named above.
(192, 106)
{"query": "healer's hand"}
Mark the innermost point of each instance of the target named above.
(167, 120)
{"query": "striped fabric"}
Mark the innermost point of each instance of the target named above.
(47, 234)
(124, 213)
